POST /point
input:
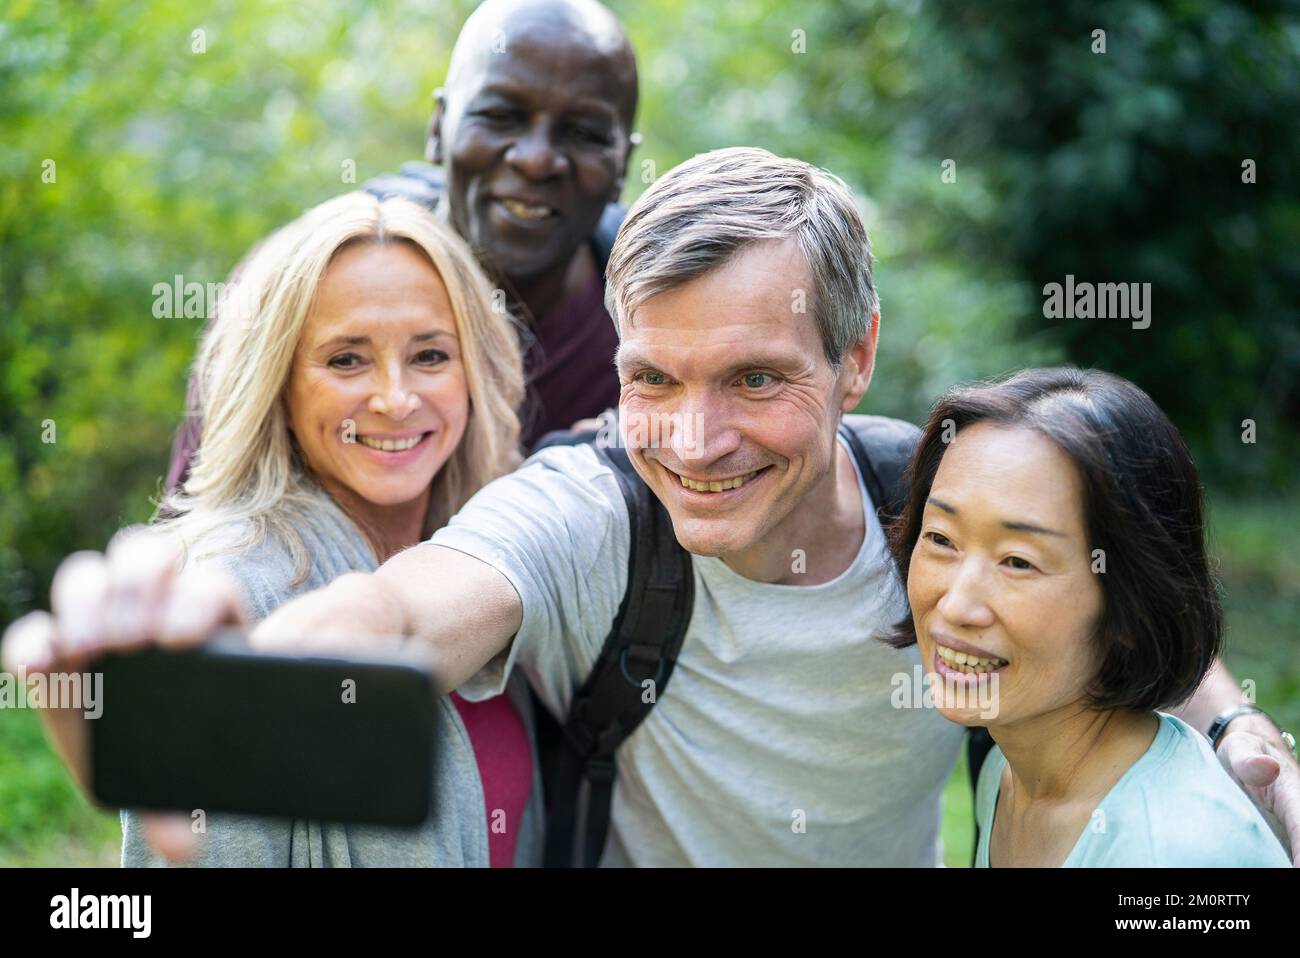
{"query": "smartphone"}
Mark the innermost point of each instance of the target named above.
(223, 728)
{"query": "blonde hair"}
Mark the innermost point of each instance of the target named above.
(248, 474)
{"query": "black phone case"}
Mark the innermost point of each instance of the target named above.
(224, 729)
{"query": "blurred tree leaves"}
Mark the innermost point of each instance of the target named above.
(1122, 166)
(1127, 166)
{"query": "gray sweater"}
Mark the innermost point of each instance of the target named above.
(456, 832)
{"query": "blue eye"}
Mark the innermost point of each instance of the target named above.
(653, 378)
(756, 380)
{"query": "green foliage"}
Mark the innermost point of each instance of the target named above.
(165, 161)
(1117, 166)
(44, 820)
(1128, 165)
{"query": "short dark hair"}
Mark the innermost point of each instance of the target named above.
(1162, 624)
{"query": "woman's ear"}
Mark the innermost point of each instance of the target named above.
(283, 406)
(633, 141)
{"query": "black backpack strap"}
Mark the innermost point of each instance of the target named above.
(642, 646)
(418, 182)
(602, 240)
(882, 448)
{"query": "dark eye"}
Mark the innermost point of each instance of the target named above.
(498, 118)
(345, 361)
(431, 357)
(592, 134)
(1023, 565)
(939, 539)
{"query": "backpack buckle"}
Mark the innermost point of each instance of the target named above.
(659, 666)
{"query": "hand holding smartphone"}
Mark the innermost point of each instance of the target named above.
(223, 728)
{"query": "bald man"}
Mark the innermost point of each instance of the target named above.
(529, 141)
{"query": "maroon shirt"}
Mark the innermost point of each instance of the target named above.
(570, 367)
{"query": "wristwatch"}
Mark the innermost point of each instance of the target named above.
(1220, 725)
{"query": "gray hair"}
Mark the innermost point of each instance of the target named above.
(703, 212)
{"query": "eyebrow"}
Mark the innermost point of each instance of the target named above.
(1007, 523)
(596, 109)
(626, 357)
(365, 340)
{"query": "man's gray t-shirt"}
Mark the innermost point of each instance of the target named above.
(776, 741)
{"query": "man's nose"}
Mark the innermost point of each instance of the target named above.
(701, 430)
(534, 154)
(965, 600)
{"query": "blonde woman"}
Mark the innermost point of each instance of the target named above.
(357, 391)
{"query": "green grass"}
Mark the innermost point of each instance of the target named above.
(45, 821)
(958, 818)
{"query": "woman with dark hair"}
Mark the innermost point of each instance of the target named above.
(1053, 550)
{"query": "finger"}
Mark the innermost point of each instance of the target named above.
(1275, 790)
(171, 837)
(29, 648)
(77, 597)
(1258, 770)
(201, 600)
(141, 566)
(1285, 796)
(28, 644)
(1246, 758)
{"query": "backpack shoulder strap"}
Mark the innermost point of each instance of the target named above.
(630, 674)
(602, 240)
(882, 448)
(416, 181)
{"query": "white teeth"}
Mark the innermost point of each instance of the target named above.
(526, 211)
(717, 485)
(389, 445)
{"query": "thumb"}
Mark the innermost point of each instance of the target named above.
(171, 837)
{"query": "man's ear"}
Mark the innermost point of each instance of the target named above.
(859, 364)
(433, 138)
(616, 192)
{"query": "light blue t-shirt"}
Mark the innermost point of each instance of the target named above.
(1174, 808)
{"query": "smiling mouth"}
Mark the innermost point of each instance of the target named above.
(717, 485)
(393, 445)
(969, 664)
(526, 211)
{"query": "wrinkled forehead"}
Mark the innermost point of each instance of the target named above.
(755, 310)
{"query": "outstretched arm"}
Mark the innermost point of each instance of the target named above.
(457, 608)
